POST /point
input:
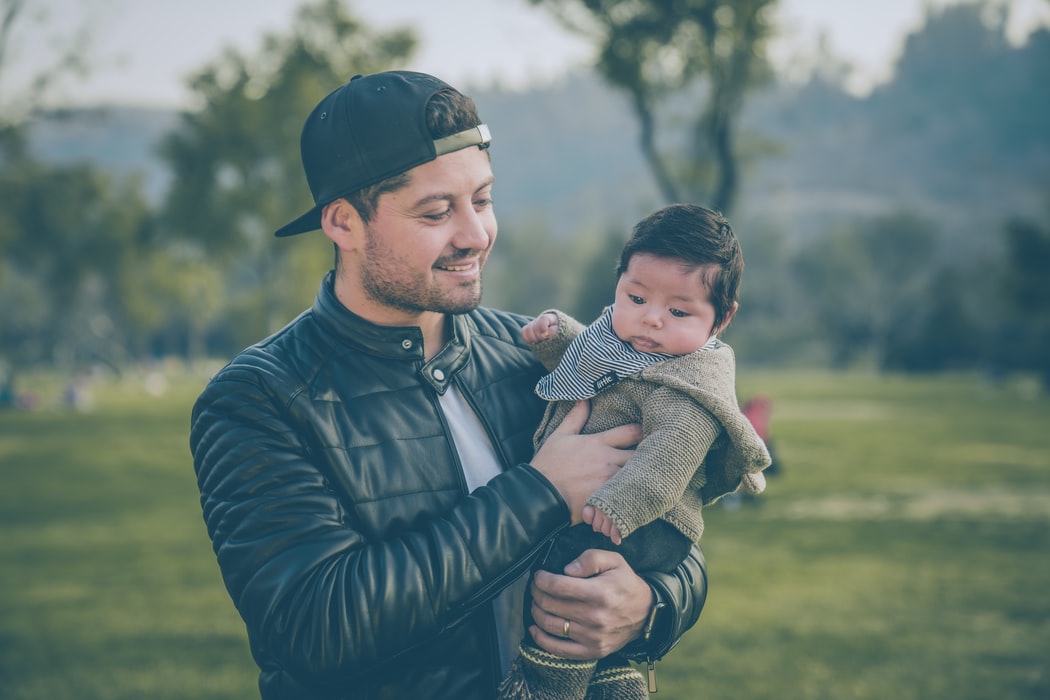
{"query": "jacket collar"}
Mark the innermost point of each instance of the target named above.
(395, 342)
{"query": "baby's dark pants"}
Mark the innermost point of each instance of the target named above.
(658, 546)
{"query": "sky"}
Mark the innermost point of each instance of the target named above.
(142, 51)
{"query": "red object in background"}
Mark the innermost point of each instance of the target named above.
(758, 410)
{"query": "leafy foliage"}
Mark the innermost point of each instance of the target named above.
(69, 58)
(71, 239)
(654, 49)
(235, 161)
(1023, 322)
(885, 231)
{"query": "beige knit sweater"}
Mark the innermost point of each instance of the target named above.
(696, 447)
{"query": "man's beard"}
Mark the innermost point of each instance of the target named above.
(387, 283)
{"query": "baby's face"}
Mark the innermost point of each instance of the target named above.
(662, 306)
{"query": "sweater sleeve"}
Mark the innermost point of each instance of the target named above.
(677, 432)
(550, 351)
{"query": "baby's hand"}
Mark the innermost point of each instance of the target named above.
(540, 328)
(601, 523)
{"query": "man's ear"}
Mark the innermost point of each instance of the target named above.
(342, 224)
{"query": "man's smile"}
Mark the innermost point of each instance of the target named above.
(472, 265)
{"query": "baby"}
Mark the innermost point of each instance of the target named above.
(653, 358)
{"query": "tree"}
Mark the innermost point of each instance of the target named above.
(940, 333)
(768, 327)
(18, 22)
(838, 287)
(70, 236)
(1026, 317)
(863, 283)
(656, 50)
(597, 275)
(530, 269)
(235, 159)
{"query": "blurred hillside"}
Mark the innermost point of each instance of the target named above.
(120, 140)
(961, 136)
(906, 230)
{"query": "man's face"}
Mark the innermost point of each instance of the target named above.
(425, 248)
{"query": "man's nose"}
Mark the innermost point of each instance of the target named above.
(471, 231)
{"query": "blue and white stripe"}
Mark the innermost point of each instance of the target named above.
(595, 360)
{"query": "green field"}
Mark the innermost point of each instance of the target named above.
(903, 551)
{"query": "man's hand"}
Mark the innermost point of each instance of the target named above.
(605, 603)
(578, 464)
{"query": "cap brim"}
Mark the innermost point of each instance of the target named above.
(310, 221)
(475, 136)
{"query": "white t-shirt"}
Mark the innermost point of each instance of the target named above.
(480, 463)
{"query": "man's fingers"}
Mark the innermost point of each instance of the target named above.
(593, 562)
(622, 437)
(574, 419)
(604, 600)
(565, 648)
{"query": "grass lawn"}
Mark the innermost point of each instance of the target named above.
(902, 552)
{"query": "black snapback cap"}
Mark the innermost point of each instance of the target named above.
(367, 130)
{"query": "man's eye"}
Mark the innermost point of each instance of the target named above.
(483, 202)
(439, 216)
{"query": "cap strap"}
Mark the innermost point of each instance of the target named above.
(476, 136)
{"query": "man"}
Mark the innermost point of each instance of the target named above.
(366, 473)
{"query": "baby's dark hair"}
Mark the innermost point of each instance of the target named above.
(697, 237)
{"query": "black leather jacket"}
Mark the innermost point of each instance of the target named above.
(339, 514)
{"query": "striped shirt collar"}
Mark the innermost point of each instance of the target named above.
(595, 360)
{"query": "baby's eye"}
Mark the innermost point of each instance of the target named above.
(678, 313)
(636, 299)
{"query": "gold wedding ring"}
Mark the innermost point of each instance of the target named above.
(565, 629)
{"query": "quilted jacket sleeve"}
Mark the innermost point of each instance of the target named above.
(683, 592)
(314, 590)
